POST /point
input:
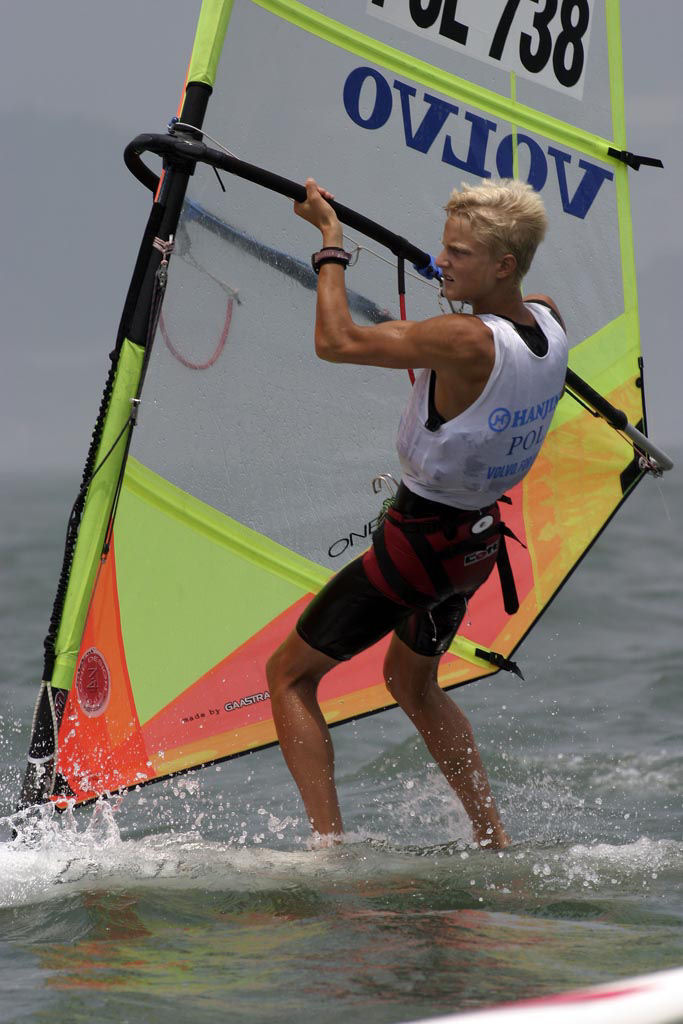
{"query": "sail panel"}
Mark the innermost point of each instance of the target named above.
(198, 584)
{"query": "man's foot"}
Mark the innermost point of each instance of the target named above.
(492, 839)
(324, 842)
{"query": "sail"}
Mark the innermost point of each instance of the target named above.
(240, 478)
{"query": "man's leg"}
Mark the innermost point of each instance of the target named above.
(346, 617)
(411, 680)
(293, 673)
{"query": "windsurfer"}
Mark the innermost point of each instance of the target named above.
(476, 418)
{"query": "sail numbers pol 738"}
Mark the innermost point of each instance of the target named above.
(545, 41)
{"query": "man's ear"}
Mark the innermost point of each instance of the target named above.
(507, 266)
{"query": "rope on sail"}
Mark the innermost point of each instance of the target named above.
(217, 351)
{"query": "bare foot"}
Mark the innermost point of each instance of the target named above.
(492, 839)
(323, 842)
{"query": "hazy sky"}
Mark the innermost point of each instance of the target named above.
(80, 79)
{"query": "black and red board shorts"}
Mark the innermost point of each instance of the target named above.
(426, 561)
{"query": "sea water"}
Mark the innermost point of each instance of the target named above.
(202, 898)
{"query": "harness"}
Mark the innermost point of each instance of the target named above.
(457, 527)
(437, 533)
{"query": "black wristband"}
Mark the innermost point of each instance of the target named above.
(330, 254)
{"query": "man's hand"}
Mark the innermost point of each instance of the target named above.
(318, 212)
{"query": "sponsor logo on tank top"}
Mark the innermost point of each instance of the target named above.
(524, 446)
(501, 418)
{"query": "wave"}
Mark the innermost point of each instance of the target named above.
(53, 855)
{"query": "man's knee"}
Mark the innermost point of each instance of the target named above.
(282, 670)
(286, 668)
(274, 669)
(407, 682)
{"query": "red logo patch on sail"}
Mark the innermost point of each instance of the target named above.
(93, 683)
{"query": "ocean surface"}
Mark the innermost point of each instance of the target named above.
(201, 898)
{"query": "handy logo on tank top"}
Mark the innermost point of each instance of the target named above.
(501, 418)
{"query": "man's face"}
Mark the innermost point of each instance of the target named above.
(469, 269)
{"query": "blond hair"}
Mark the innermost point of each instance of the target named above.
(507, 216)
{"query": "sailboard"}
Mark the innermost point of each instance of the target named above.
(643, 999)
(231, 472)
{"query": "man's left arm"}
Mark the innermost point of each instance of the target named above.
(546, 301)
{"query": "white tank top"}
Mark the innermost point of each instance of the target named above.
(469, 461)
